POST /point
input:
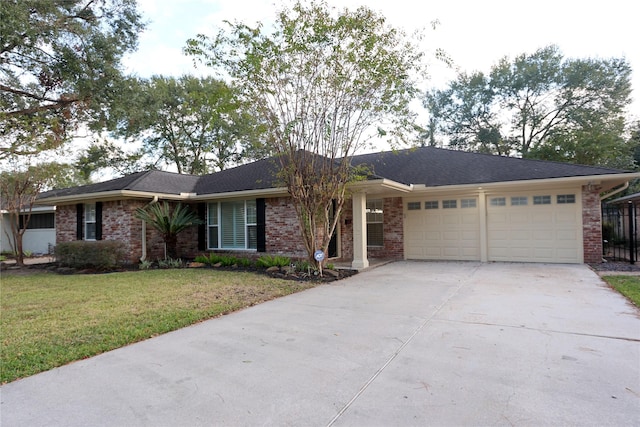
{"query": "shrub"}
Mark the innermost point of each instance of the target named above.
(203, 259)
(304, 266)
(101, 254)
(267, 261)
(145, 265)
(245, 262)
(170, 263)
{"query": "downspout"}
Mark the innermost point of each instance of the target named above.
(144, 232)
(616, 191)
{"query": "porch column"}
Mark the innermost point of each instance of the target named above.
(360, 231)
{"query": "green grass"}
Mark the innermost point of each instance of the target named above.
(49, 320)
(629, 286)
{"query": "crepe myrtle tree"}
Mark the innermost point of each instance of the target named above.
(324, 82)
(169, 222)
(20, 185)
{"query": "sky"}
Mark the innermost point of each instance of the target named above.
(475, 34)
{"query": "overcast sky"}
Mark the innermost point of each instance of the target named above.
(476, 34)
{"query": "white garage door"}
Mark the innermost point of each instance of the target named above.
(443, 229)
(534, 227)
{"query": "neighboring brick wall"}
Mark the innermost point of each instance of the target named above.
(393, 231)
(591, 224)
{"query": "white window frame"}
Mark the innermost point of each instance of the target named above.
(88, 219)
(450, 204)
(519, 201)
(218, 225)
(542, 200)
(468, 203)
(432, 204)
(565, 199)
(375, 216)
(498, 201)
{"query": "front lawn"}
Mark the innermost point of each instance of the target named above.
(629, 286)
(49, 320)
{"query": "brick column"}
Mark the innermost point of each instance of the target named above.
(591, 224)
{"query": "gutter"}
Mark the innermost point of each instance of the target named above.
(144, 232)
(616, 191)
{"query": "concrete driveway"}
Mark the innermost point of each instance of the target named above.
(408, 343)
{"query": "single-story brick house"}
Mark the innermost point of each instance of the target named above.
(425, 203)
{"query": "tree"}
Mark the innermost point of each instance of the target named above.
(169, 222)
(19, 189)
(321, 82)
(105, 155)
(59, 66)
(528, 106)
(197, 125)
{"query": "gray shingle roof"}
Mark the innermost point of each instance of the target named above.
(436, 167)
(257, 175)
(428, 165)
(147, 181)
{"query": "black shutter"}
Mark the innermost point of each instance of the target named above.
(79, 220)
(98, 220)
(261, 225)
(202, 228)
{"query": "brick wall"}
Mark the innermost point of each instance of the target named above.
(119, 223)
(591, 224)
(65, 223)
(393, 231)
(282, 231)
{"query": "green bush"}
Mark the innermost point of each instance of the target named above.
(203, 259)
(245, 262)
(267, 261)
(101, 254)
(170, 263)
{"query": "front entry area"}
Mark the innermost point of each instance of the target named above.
(524, 226)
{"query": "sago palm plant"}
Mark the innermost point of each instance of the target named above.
(169, 222)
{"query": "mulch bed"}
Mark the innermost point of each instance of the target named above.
(52, 267)
(622, 266)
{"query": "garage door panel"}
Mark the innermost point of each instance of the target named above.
(534, 233)
(448, 234)
(544, 218)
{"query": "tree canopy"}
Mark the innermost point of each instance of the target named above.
(322, 81)
(540, 105)
(59, 66)
(195, 124)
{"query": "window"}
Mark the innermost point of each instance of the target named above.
(519, 201)
(232, 225)
(433, 204)
(498, 201)
(449, 204)
(375, 223)
(566, 199)
(468, 203)
(39, 221)
(90, 221)
(413, 206)
(541, 200)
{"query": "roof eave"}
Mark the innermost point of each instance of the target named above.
(378, 185)
(607, 182)
(111, 195)
(264, 192)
